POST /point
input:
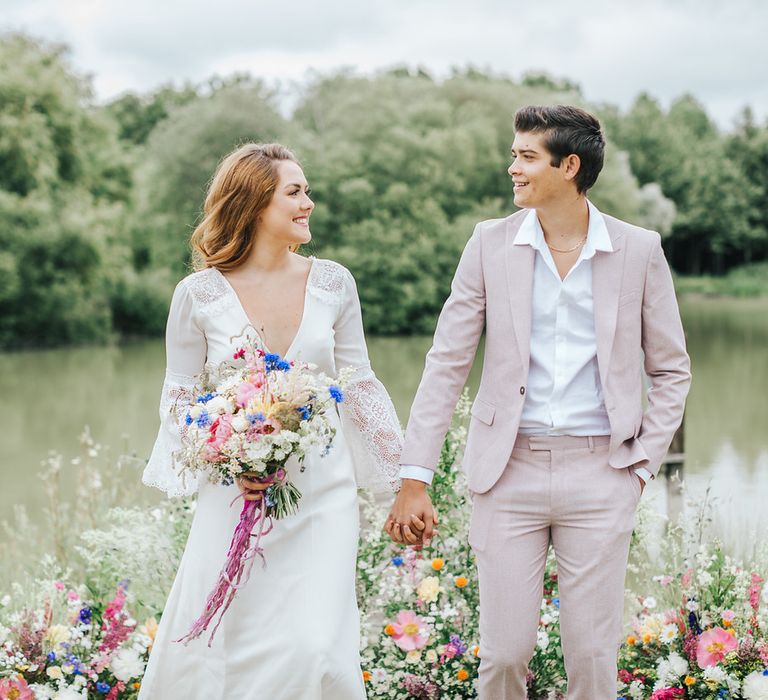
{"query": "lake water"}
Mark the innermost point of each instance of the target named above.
(50, 396)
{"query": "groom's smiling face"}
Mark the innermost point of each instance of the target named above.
(536, 181)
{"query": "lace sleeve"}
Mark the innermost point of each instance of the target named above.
(186, 350)
(370, 424)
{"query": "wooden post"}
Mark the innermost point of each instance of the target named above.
(672, 467)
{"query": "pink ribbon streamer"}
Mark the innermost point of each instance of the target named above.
(243, 549)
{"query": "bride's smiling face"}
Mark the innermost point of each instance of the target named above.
(286, 218)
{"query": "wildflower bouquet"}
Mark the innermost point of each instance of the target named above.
(251, 416)
(68, 649)
(700, 635)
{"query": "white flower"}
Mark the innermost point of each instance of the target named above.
(69, 693)
(714, 673)
(431, 656)
(413, 657)
(669, 633)
(379, 675)
(429, 589)
(127, 664)
(705, 578)
(218, 404)
(649, 602)
(692, 606)
(195, 411)
(5, 601)
(542, 640)
(671, 669)
(756, 686)
(765, 593)
(4, 632)
(239, 423)
(678, 664)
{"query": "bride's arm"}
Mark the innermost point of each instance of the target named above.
(186, 350)
(371, 426)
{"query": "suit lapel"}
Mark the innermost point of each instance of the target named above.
(607, 272)
(519, 263)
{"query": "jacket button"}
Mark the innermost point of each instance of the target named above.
(522, 390)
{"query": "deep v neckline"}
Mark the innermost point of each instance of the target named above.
(256, 327)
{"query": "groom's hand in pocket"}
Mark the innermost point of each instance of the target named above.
(412, 518)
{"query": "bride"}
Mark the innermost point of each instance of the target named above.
(292, 632)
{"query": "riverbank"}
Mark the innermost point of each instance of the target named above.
(746, 281)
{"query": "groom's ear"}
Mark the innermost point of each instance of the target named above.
(570, 165)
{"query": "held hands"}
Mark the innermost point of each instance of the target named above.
(412, 519)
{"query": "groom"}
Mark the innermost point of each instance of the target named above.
(574, 305)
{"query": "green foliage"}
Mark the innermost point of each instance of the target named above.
(97, 203)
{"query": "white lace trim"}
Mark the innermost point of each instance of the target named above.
(210, 291)
(162, 470)
(326, 281)
(373, 432)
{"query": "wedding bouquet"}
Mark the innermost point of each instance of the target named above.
(251, 415)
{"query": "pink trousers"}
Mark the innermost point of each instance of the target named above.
(559, 490)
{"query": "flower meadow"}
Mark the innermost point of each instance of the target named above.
(80, 620)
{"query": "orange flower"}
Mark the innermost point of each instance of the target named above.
(460, 581)
(631, 640)
(437, 564)
(389, 630)
(689, 680)
(366, 676)
(727, 623)
(647, 638)
(136, 686)
(462, 675)
(476, 651)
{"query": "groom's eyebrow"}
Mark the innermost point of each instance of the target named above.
(523, 151)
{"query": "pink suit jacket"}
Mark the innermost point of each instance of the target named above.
(637, 324)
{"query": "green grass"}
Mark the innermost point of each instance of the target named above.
(746, 281)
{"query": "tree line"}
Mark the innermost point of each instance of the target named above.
(97, 201)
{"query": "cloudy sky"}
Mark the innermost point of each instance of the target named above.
(714, 49)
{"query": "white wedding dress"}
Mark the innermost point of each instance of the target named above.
(292, 632)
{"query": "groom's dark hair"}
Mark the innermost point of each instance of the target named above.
(567, 130)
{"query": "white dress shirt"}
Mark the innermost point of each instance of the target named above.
(564, 394)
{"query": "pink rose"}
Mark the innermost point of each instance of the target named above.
(244, 393)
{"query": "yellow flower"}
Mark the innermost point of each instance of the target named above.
(413, 657)
(460, 581)
(476, 651)
(429, 589)
(431, 656)
(437, 564)
(462, 675)
(150, 629)
(55, 673)
(689, 680)
(727, 623)
(55, 635)
(647, 638)
(68, 668)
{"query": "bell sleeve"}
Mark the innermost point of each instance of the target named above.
(186, 351)
(369, 420)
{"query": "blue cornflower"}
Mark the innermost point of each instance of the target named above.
(85, 616)
(283, 366)
(305, 412)
(254, 418)
(556, 602)
(397, 561)
(336, 394)
(124, 583)
(188, 419)
(273, 362)
(693, 622)
(203, 419)
(103, 688)
(722, 693)
(51, 656)
(765, 673)
(205, 398)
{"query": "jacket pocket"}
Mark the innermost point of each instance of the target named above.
(483, 411)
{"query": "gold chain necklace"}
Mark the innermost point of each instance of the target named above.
(570, 250)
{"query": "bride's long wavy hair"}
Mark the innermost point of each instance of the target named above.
(240, 190)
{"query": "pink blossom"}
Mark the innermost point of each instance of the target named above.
(221, 430)
(72, 595)
(16, 688)
(244, 393)
(754, 591)
(410, 632)
(728, 615)
(668, 694)
(687, 578)
(713, 645)
(59, 585)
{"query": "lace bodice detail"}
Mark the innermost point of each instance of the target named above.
(206, 314)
